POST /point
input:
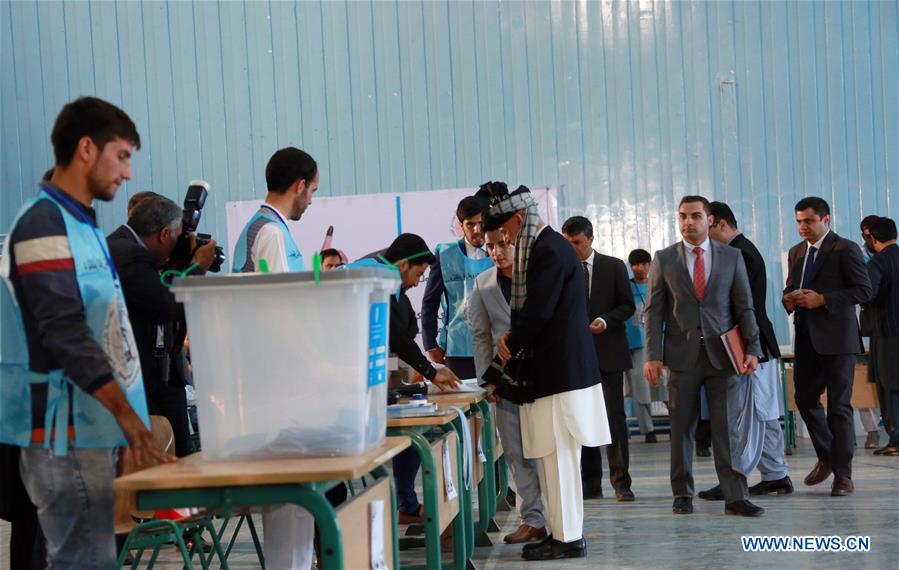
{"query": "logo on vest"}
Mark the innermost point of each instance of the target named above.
(119, 345)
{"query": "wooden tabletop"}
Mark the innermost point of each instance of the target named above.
(194, 471)
(457, 398)
(442, 418)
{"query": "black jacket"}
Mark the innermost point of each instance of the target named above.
(150, 304)
(612, 300)
(883, 269)
(840, 275)
(403, 330)
(551, 322)
(758, 284)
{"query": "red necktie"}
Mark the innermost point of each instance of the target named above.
(699, 273)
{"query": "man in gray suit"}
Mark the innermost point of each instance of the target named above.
(489, 316)
(698, 290)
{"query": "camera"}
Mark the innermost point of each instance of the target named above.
(197, 190)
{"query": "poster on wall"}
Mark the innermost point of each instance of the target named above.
(364, 223)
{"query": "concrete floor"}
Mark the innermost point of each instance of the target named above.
(645, 534)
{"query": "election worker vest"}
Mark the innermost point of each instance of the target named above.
(106, 316)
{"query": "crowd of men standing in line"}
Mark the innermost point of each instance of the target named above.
(552, 327)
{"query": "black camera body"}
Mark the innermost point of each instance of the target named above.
(197, 191)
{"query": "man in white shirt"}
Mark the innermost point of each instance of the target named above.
(266, 245)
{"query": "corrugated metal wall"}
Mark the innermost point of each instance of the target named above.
(624, 106)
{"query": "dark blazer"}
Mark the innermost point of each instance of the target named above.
(758, 284)
(551, 322)
(839, 274)
(149, 302)
(612, 300)
(883, 270)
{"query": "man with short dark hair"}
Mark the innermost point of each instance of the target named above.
(698, 290)
(331, 259)
(753, 400)
(610, 304)
(292, 178)
(139, 249)
(136, 199)
(638, 387)
(68, 344)
(266, 245)
(827, 279)
(883, 270)
(450, 282)
(866, 324)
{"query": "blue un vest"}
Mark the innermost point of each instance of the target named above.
(634, 325)
(107, 318)
(243, 247)
(373, 262)
(459, 273)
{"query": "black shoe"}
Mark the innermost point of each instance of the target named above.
(779, 486)
(713, 494)
(625, 496)
(651, 437)
(556, 550)
(592, 488)
(743, 509)
(887, 450)
(682, 506)
(533, 545)
(703, 451)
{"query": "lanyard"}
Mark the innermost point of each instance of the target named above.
(276, 212)
(82, 217)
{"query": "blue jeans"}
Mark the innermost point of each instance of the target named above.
(405, 469)
(74, 500)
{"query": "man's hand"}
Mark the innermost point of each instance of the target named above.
(142, 446)
(598, 326)
(750, 363)
(437, 355)
(203, 255)
(652, 371)
(141, 443)
(810, 299)
(503, 349)
(446, 379)
(789, 301)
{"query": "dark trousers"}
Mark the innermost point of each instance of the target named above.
(27, 550)
(463, 366)
(684, 403)
(405, 468)
(833, 433)
(893, 396)
(170, 401)
(617, 452)
(704, 434)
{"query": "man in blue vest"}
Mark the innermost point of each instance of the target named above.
(292, 177)
(450, 282)
(71, 389)
(265, 244)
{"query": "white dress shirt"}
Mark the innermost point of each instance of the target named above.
(690, 257)
(817, 246)
(270, 244)
(474, 252)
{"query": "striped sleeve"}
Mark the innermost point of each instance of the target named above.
(43, 275)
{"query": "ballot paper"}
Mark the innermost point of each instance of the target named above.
(469, 385)
(448, 484)
(376, 518)
(481, 456)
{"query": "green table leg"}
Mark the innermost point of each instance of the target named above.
(487, 486)
(465, 511)
(429, 495)
(502, 489)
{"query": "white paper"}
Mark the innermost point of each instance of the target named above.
(376, 520)
(448, 484)
(470, 385)
(481, 455)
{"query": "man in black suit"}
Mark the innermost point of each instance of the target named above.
(755, 432)
(563, 400)
(827, 280)
(610, 304)
(139, 248)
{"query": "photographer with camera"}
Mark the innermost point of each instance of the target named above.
(139, 250)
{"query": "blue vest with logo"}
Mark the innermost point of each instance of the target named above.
(107, 318)
(242, 260)
(373, 262)
(459, 273)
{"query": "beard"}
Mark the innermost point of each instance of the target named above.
(102, 190)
